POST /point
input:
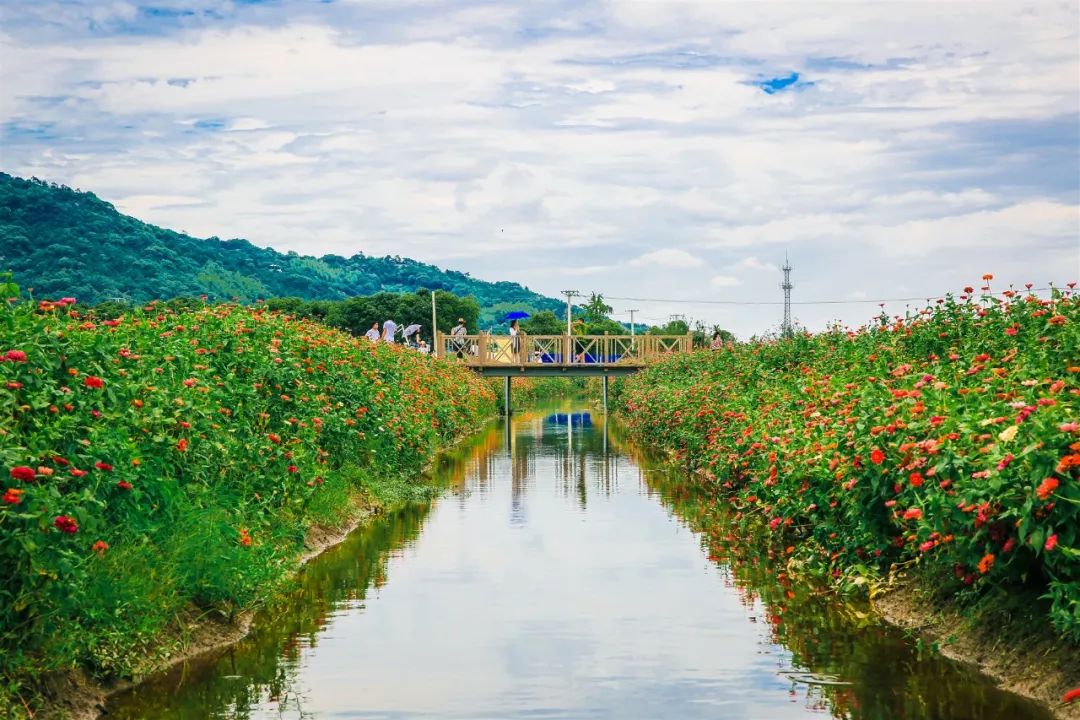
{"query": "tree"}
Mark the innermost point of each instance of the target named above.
(596, 310)
(544, 322)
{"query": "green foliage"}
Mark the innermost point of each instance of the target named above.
(62, 242)
(169, 461)
(596, 310)
(948, 439)
(544, 323)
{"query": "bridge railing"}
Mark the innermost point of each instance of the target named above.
(486, 350)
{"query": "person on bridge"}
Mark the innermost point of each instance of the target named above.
(717, 341)
(411, 335)
(458, 333)
(373, 332)
(389, 328)
(515, 341)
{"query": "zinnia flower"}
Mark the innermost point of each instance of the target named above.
(13, 496)
(912, 514)
(15, 356)
(986, 563)
(93, 381)
(916, 479)
(1070, 696)
(1047, 487)
(103, 466)
(24, 473)
(1051, 542)
(124, 485)
(876, 456)
(100, 547)
(66, 524)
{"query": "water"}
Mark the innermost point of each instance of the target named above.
(557, 578)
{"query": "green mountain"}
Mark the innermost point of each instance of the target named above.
(63, 242)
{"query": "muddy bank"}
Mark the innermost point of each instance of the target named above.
(1031, 663)
(76, 696)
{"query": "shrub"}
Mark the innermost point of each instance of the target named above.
(168, 460)
(947, 438)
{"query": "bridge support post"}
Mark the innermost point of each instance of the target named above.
(605, 380)
(506, 391)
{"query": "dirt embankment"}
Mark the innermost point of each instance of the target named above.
(79, 697)
(1032, 663)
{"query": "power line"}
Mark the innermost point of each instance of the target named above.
(793, 302)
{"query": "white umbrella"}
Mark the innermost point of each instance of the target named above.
(411, 330)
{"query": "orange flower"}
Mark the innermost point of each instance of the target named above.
(986, 563)
(100, 547)
(1046, 488)
(987, 276)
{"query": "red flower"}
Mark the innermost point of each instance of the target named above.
(103, 466)
(13, 496)
(912, 514)
(987, 276)
(15, 356)
(293, 468)
(21, 472)
(100, 547)
(1051, 542)
(124, 485)
(93, 381)
(182, 444)
(1047, 487)
(274, 438)
(916, 479)
(76, 472)
(1005, 461)
(876, 456)
(66, 524)
(1070, 696)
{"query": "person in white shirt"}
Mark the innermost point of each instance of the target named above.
(515, 341)
(373, 333)
(388, 329)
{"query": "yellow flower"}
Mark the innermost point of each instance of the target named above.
(1008, 433)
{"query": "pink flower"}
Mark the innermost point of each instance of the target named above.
(1069, 427)
(15, 356)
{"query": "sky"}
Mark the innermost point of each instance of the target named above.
(654, 150)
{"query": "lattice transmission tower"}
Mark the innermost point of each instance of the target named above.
(786, 286)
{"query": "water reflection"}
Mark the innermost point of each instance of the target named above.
(552, 581)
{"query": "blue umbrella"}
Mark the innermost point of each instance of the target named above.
(516, 315)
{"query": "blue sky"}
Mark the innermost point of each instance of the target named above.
(640, 149)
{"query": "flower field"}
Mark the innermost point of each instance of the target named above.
(170, 463)
(948, 439)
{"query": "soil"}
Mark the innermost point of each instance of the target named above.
(1034, 663)
(76, 696)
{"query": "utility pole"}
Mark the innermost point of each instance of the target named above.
(569, 294)
(632, 321)
(786, 286)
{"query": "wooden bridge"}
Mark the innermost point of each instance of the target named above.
(558, 355)
(549, 355)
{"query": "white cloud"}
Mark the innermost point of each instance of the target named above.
(668, 257)
(929, 144)
(725, 281)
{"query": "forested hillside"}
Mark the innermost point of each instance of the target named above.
(63, 242)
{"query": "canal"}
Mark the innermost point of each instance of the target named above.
(557, 577)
